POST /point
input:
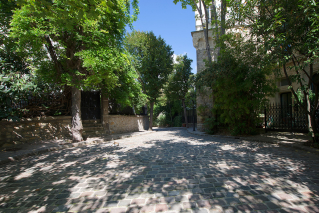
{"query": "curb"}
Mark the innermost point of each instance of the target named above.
(305, 148)
(69, 145)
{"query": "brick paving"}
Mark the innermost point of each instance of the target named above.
(167, 171)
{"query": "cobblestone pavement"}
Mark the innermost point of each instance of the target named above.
(166, 171)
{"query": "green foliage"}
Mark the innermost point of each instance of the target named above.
(75, 43)
(152, 60)
(170, 109)
(179, 82)
(289, 32)
(211, 125)
(178, 121)
(240, 85)
(16, 78)
(161, 120)
(128, 91)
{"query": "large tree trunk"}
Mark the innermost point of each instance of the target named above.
(76, 115)
(185, 113)
(151, 116)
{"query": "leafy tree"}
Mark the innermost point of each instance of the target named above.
(203, 7)
(74, 43)
(289, 31)
(179, 83)
(240, 91)
(16, 79)
(153, 60)
(128, 91)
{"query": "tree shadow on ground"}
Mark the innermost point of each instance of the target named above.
(179, 172)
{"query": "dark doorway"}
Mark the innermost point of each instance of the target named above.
(286, 99)
(90, 106)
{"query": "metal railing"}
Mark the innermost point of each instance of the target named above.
(279, 117)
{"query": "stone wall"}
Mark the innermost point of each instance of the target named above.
(52, 128)
(204, 101)
(127, 123)
(36, 129)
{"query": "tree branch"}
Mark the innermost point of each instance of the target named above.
(53, 55)
(292, 90)
(204, 29)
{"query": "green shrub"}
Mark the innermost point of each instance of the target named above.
(161, 119)
(178, 121)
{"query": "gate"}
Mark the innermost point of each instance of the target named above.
(90, 106)
(285, 118)
(191, 116)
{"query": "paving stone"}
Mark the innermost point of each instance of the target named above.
(232, 201)
(244, 208)
(138, 202)
(230, 209)
(259, 206)
(272, 205)
(110, 204)
(62, 208)
(169, 170)
(117, 210)
(200, 210)
(161, 208)
(147, 208)
(189, 205)
(124, 203)
(203, 204)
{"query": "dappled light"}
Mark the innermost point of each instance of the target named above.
(168, 170)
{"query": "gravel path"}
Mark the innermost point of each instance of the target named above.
(167, 171)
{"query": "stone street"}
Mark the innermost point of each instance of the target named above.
(169, 170)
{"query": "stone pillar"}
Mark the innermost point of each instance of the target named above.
(204, 101)
(105, 113)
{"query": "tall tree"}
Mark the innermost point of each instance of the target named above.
(179, 84)
(208, 14)
(289, 31)
(153, 60)
(15, 76)
(75, 43)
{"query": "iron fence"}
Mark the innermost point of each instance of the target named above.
(279, 117)
(45, 103)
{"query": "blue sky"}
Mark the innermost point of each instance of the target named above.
(171, 22)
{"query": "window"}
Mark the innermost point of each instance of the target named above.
(284, 82)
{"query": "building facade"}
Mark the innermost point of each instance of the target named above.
(204, 102)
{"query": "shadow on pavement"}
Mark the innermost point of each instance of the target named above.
(179, 172)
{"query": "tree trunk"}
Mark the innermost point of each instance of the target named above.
(170, 112)
(205, 30)
(151, 116)
(76, 115)
(214, 17)
(223, 17)
(185, 113)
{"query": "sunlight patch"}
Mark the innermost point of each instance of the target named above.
(227, 147)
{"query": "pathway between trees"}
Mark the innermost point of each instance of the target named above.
(170, 170)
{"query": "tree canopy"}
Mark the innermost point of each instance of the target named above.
(153, 60)
(179, 82)
(75, 43)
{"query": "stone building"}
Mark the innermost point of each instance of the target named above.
(204, 102)
(283, 97)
